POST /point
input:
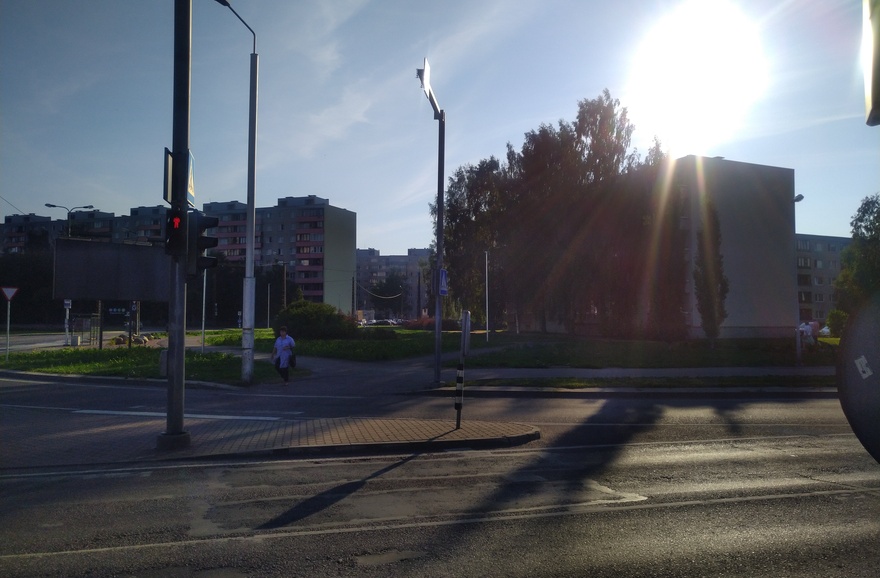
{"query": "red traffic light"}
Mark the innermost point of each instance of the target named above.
(175, 232)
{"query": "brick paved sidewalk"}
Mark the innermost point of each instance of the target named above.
(92, 439)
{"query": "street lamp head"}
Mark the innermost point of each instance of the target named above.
(50, 205)
(798, 198)
(88, 207)
(223, 3)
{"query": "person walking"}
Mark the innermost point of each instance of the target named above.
(282, 354)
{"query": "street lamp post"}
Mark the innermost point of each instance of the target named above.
(249, 288)
(51, 206)
(424, 75)
(67, 309)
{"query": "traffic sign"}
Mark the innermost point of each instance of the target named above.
(10, 292)
(190, 182)
(444, 283)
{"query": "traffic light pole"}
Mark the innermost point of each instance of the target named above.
(175, 436)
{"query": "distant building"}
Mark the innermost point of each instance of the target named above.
(141, 225)
(17, 229)
(373, 269)
(818, 265)
(315, 240)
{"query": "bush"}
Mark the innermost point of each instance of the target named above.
(836, 321)
(427, 324)
(308, 320)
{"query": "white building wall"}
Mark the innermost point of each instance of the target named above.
(755, 206)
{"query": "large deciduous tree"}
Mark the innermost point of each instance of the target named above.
(860, 275)
(567, 233)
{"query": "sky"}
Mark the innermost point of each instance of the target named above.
(86, 97)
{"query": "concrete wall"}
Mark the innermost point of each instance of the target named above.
(340, 242)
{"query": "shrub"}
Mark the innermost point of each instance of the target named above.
(836, 321)
(427, 324)
(305, 319)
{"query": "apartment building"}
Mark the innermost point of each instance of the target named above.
(818, 265)
(315, 240)
(755, 207)
(19, 230)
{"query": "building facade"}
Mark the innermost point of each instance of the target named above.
(755, 208)
(313, 240)
(818, 265)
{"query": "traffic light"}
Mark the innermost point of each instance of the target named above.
(196, 259)
(175, 232)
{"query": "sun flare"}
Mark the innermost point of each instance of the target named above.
(696, 75)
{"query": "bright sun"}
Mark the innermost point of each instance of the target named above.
(695, 76)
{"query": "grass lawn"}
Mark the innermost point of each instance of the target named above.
(501, 350)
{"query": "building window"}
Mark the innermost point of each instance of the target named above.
(820, 264)
(820, 297)
(803, 245)
(819, 280)
(805, 297)
(804, 280)
(804, 262)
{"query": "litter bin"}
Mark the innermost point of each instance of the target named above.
(74, 340)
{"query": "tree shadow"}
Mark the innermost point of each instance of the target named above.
(327, 498)
(615, 425)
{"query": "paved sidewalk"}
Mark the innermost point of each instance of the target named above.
(95, 438)
(84, 438)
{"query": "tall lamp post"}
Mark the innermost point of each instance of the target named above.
(51, 206)
(249, 288)
(67, 309)
(424, 75)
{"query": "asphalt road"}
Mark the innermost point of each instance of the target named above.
(624, 486)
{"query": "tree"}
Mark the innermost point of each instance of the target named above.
(469, 231)
(710, 283)
(566, 232)
(860, 274)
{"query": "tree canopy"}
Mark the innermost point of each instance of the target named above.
(566, 220)
(860, 274)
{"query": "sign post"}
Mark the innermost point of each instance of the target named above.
(67, 305)
(459, 379)
(9, 292)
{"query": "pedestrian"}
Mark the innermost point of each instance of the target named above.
(282, 354)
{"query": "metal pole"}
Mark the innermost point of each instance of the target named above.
(487, 296)
(175, 436)
(284, 285)
(8, 318)
(204, 295)
(249, 292)
(438, 300)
